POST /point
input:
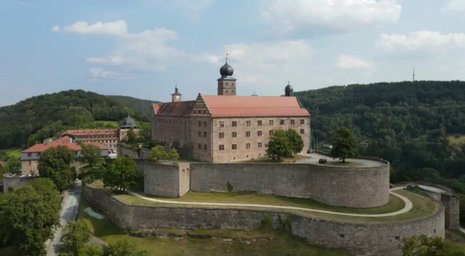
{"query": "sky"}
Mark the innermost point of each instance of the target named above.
(144, 48)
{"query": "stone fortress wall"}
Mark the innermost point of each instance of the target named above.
(360, 187)
(381, 239)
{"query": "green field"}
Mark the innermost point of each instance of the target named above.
(208, 242)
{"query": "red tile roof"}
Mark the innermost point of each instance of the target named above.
(87, 132)
(182, 108)
(253, 106)
(63, 141)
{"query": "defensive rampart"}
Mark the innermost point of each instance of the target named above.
(13, 182)
(381, 239)
(333, 185)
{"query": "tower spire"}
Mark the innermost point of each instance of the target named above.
(413, 75)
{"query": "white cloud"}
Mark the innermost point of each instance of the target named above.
(421, 41)
(115, 28)
(101, 73)
(347, 62)
(454, 5)
(291, 15)
(56, 29)
(270, 63)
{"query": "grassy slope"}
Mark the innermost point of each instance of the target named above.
(232, 242)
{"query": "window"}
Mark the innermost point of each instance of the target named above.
(247, 134)
(292, 121)
(270, 132)
(221, 147)
(234, 123)
(205, 134)
(29, 154)
(221, 135)
(302, 121)
(247, 145)
(271, 122)
(259, 122)
(221, 123)
(199, 146)
(302, 131)
(247, 123)
(259, 133)
(259, 144)
(204, 124)
(200, 124)
(200, 134)
(205, 146)
(234, 134)
(281, 122)
(234, 146)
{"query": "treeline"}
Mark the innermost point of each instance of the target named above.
(408, 123)
(36, 118)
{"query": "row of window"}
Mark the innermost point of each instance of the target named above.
(247, 133)
(234, 146)
(260, 122)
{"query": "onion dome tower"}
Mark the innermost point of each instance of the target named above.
(288, 91)
(226, 83)
(176, 96)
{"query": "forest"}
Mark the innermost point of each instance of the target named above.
(40, 117)
(418, 126)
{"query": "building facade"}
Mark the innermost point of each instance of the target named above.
(225, 127)
(109, 137)
(30, 157)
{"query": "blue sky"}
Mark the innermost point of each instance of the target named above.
(143, 48)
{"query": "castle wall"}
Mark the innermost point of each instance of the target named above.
(15, 182)
(166, 180)
(337, 186)
(452, 211)
(381, 239)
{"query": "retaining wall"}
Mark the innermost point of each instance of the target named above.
(167, 180)
(381, 239)
(337, 186)
(15, 182)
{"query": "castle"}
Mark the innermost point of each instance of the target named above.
(225, 127)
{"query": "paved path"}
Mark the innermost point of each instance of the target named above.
(69, 211)
(313, 158)
(407, 207)
(462, 230)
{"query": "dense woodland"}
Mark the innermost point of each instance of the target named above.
(36, 118)
(417, 126)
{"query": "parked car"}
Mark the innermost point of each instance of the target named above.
(322, 161)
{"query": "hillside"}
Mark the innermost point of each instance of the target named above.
(418, 126)
(46, 115)
(143, 107)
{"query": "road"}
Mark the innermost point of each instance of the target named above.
(407, 206)
(69, 211)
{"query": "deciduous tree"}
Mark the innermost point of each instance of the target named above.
(121, 174)
(345, 144)
(55, 163)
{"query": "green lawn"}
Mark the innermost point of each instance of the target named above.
(394, 204)
(213, 242)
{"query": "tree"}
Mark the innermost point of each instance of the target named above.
(158, 152)
(121, 174)
(31, 213)
(279, 146)
(55, 164)
(295, 141)
(345, 144)
(428, 246)
(76, 235)
(93, 161)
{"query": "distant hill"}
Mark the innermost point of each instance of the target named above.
(143, 107)
(36, 118)
(408, 123)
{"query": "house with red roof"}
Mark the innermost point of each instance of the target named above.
(225, 127)
(30, 157)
